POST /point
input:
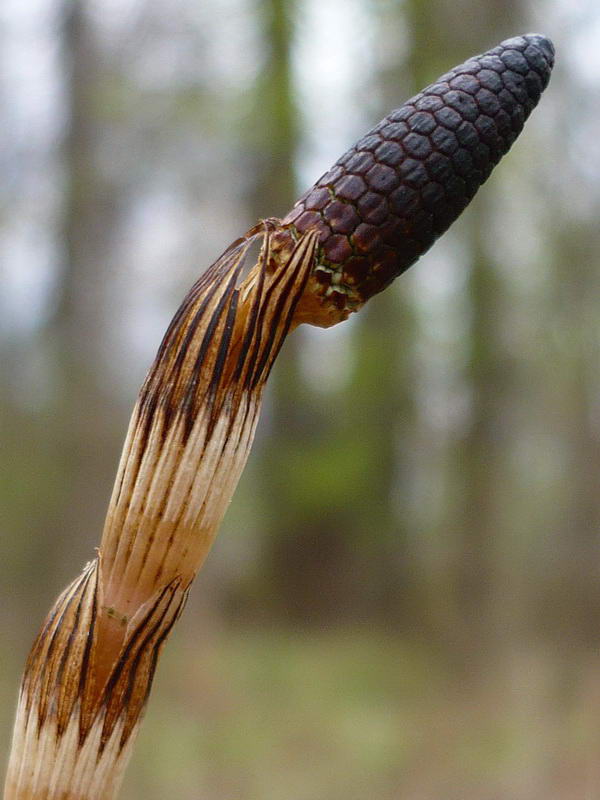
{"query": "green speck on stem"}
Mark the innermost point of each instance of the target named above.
(114, 614)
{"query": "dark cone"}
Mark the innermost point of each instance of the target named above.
(386, 200)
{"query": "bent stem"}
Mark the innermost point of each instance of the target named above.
(90, 670)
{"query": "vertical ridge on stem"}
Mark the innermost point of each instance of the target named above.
(90, 670)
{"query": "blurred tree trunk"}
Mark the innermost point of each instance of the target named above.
(573, 313)
(473, 470)
(275, 135)
(478, 456)
(381, 404)
(87, 436)
(275, 125)
(319, 555)
(63, 445)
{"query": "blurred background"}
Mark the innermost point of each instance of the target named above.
(404, 600)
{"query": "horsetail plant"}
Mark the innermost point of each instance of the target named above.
(379, 208)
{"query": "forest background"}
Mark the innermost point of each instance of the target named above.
(404, 600)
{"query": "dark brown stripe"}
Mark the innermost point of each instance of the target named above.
(286, 326)
(287, 279)
(42, 667)
(152, 656)
(190, 402)
(66, 696)
(128, 660)
(85, 686)
(250, 335)
(217, 375)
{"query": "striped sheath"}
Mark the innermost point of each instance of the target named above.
(89, 673)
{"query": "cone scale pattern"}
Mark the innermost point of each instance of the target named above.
(386, 200)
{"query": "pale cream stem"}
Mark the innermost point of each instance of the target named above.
(90, 670)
